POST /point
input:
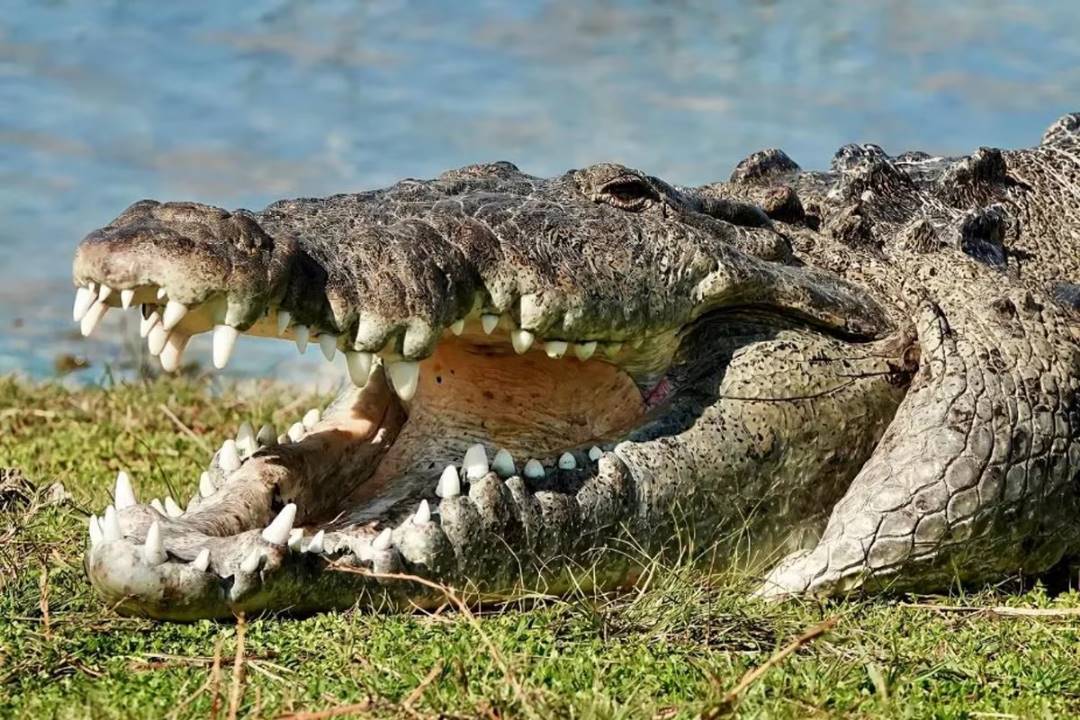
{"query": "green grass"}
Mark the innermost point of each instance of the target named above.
(671, 649)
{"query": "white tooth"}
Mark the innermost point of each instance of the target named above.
(153, 549)
(245, 435)
(296, 432)
(104, 292)
(92, 317)
(489, 323)
(533, 469)
(283, 438)
(171, 508)
(316, 544)
(161, 294)
(83, 300)
(202, 560)
(383, 541)
(449, 484)
(267, 435)
(555, 348)
(404, 376)
(206, 485)
(95, 531)
(503, 464)
(173, 352)
(224, 342)
(295, 536)
(595, 453)
(301, 334)
(585, 350)
(522, 340)
(110, 526)
(92, 287)
(359, 366)
(277, 532)
(458, 326)
(328, 345)
(156, 339)
(567, 461)
(123, 495)
(147, 323)
(251, 562)
(229, 458)
(423, 514)
(126, 296)
(311, 418)
(284, 317)
(475, 464)
(174, 313)
(156, 504)
(612, 349)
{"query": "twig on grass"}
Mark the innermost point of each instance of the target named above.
(753, 675)
(184, 428)
(215, 680)
(236, 690)
(999, 610)
(43, 603)
(451, 596)
(419, 689)
(354, 709)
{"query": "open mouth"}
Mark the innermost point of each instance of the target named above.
(495, 427)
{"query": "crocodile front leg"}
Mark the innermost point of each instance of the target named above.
(977, 476)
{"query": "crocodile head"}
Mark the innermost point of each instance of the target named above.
(541, 369)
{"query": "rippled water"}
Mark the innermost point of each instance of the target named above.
(238, 104)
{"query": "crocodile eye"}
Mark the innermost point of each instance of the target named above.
(628, 192)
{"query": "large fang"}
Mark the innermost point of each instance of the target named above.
(584, 351)
(277, 532)
(423, 514)
(103, 293)
(555, 348)
(171, 508)
(522, 340)
(83, 300)
(174, 313)
(284, 317)
(311, 418)
(206, 485)
(173, 352)
(489, 323)
(449, 484)
(328, 345)
(224, 342)
(95, 531)
(126, 296)
(359, 366)
(301, 334)
(383, 540)
(316, 544)
(404, 376)
(123, 494)
(229, 459)
(245, 439)
(475, 464)
(154, 550)
(202, 560)
(147, 324)
(92, 317)
(155, 339)
(110, 526)
(458, 326)
(503, 463)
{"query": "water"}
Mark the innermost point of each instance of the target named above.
(239, 104)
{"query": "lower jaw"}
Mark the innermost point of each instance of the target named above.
(366, 477)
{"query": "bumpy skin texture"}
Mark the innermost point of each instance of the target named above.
(874, 371)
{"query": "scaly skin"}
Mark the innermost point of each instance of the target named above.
(864, 378)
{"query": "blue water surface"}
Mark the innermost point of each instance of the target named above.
(241, 103)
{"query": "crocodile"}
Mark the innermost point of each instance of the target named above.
(865, 379)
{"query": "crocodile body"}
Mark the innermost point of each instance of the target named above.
(865, 378)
